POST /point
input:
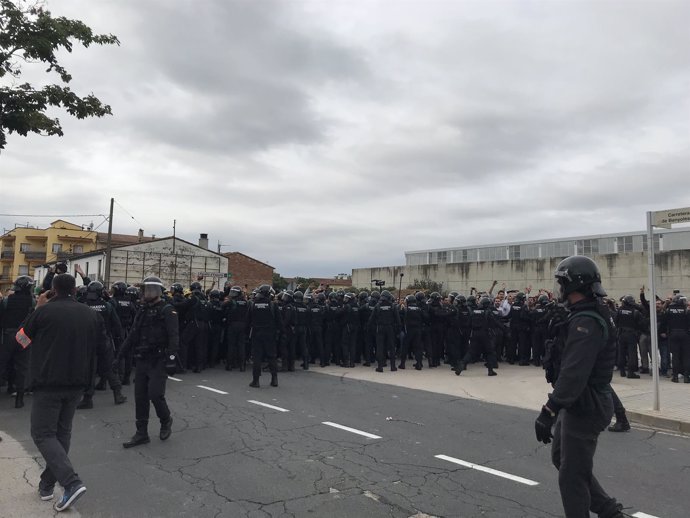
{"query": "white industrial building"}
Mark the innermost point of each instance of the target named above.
(621, 257)
(170, 258)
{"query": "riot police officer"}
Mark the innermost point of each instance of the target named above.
(316, 320)
(106, 369)
(154, 338)
(581, 403)
(629, 322)
(412, 318)
(385, 319)
(301, 330)
(263, 322)
(438, 322)
(370, 331)
(333, 330)
(677, 320)
(13, 311)
(126, 310)
(235, 332)
(540, 322)
(521, 343)
(483, 322)
(216, 314)
(350, 324)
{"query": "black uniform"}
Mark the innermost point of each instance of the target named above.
(301, 332)
(350, 325)
(317, 312)
(333, 332)
(126, 310)
(287, 335)
(195, 334)
(438, 323)
(13, 311)
(385, 319)
(483, 322)
(413, 319)
(540, 323)
(236, 333)
(521, 341)
(582, 399)
(263, 322)
(678, 324)
(629, 321)
(104, 360)
(216, 314)
(154, 335)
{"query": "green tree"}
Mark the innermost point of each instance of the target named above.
(279, 282)
(30, 34)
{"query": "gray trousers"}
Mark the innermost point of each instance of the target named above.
(572, 452)
(51, 429)
(645, 350)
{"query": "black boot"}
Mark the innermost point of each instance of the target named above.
(141, 437)
(19, 400)
(101, 384)
(118, 397)
(166, 429)
(492, 372)
(633, 376)
(255, 382)
(622, 425)
(461, 367)
(274, 380)
(85, 403)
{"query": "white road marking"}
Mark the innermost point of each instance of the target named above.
(212, 389)
(353, 430)
(491, 471)
(644, 515)
(268, 406)
(174, 379)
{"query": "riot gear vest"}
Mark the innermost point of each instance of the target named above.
(263, 313)
(413, 316)
(677, 318)
(238, 311)
(627, 318)
(153, 334)
(318, 313)
(15, 309)
(301, 314)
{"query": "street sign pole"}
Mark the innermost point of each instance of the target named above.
(663, 219)
(653, 336)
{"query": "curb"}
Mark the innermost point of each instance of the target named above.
(655, 421)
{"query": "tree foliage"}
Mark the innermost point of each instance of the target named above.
(30, 34)
(279, 282)
(426, 284)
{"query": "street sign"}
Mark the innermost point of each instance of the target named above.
(666, 218)
(217, 275)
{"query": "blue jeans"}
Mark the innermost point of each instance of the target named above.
(51, 429)
(665, 354)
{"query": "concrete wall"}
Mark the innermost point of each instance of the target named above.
(622, 273)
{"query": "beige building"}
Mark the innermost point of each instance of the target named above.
(24, 248)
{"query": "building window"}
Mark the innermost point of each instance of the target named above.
(514, 252)
(23, 269)
(442, 257)
(78, 249)
(588, 246)
(657, 243)
(57, 248)
(24, 247)
(625, 244)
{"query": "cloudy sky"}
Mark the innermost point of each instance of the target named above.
(324, 136)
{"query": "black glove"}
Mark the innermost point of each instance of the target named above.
(543, 424)
(171, 364)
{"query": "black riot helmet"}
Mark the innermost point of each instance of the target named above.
(81, 293)
(460, 300)
(520, 297)
(543, 299)
(119, 288)
(420, 297)
(472, 301)
(298, 296)
(214, 295)
(196, 286)
(333, 296)
(288, 297)
(629, 300)
(235, 292)
(363, 296)
(578, 273)
(308, 299)
(341, 294)
(23, 284)
(153, 288)
(386, 295)
(485, 303)
(375, 295)
(61, 268)
(264, 290)
(133, 293)
(410, 299)
(94, 290)
(435, 296)
(452, 295)
(177, 288)
(349, 298)
(321, 298)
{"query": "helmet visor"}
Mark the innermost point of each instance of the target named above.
(152, 291)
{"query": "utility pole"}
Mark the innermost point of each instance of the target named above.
(174, 225)
(173, 252)
(108, 249)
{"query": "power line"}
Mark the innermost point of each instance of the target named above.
(53, 215)
(135, 219)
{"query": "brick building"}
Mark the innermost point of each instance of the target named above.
(247, 271)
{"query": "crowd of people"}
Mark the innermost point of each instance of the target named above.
(347, 328)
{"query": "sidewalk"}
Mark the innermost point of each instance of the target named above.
(525, 387)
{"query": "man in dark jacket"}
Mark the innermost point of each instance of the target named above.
(64, 336)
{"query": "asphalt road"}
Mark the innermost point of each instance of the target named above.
(232, 457)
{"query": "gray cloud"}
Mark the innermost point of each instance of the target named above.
(320, 136)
